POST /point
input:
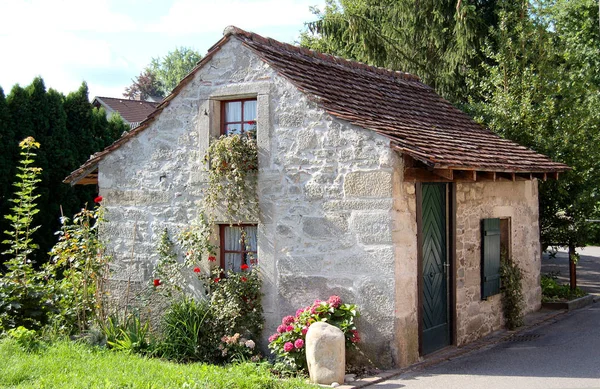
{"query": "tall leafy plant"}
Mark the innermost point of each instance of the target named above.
(78, 259)
(22, 293)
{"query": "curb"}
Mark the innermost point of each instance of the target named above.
(535, 321)
(572, 304)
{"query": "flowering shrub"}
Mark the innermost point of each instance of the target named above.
(288, 342)
(237, 349)
(236, 302)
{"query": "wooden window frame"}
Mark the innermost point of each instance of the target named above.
(242, 253)
(224, 123)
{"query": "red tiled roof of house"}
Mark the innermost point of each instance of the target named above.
(133, 111)
(397, 105)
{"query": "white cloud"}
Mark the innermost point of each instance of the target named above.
(200, 16)
(37, 17)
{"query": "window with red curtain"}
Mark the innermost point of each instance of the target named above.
(238, 246)
(238, 116)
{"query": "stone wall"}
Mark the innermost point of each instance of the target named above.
(331, 204)
(519, 202)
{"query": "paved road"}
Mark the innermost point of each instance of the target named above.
(563, 354)
(588, 268)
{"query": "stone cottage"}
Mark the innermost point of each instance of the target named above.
(370, 186)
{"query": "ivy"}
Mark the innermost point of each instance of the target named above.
(512, 294)
(232, 164)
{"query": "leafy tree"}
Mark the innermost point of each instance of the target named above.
(173, 67)
(436, 40)
(146, 85)
(540, 87)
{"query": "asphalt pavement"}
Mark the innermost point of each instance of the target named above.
(588, 267)
(564, 353)
(558, 350)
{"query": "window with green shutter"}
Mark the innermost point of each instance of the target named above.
(490, 257)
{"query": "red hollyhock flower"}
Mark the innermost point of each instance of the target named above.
(196, 269)
(156, 282)
(98, 199)
(244, 279)
(212, 258)
(217, 279)
(251, 122)
(244, 266)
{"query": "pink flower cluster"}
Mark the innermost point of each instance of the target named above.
(290, 338)
(335, 301)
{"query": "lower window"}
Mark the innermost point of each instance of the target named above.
(238, 247)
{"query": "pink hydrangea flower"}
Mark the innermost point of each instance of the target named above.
(287, 320)
(304, 331)
(273, 337)
(335, 301)
(289, 328)
(299, 312)
(299, 343)
(317, 302)
(288, 346)
(281, 329)
(355, 337)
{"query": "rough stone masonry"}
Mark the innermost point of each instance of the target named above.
(335, 214)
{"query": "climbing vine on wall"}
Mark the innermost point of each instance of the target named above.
(232, 162)
(512, 293)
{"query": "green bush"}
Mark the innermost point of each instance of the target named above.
(80, 266)
(512, 294)
(188, 334)
(288, 343)
(129, 335)
(28, 340)
(552, 291)
(236, 302)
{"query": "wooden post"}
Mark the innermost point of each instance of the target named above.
(572, 268)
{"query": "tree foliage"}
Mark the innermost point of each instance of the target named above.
(435, 40)
(163, 74)
(145, 86)
(540, 87)
(173, 67)
(69, 130)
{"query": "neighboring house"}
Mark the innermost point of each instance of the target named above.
(133, 112)
(371, 187)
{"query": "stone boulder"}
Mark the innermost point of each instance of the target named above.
(325, 354)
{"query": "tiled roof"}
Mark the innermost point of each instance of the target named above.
(397, 105)
(133, 111)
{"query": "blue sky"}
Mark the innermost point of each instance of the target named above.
(108, 42)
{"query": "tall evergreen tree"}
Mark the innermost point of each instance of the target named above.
(435, 40)
(69, 130)
(8, 149)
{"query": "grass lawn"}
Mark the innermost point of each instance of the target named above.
(70, 365)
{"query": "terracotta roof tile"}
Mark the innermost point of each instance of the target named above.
(394, 104)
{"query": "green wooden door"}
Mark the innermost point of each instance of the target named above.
(435, 310)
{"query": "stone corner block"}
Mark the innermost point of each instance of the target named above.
(368, 184)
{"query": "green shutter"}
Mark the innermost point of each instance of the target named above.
(490, 258)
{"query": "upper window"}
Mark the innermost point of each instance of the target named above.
(238, 116)
(238, 247)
